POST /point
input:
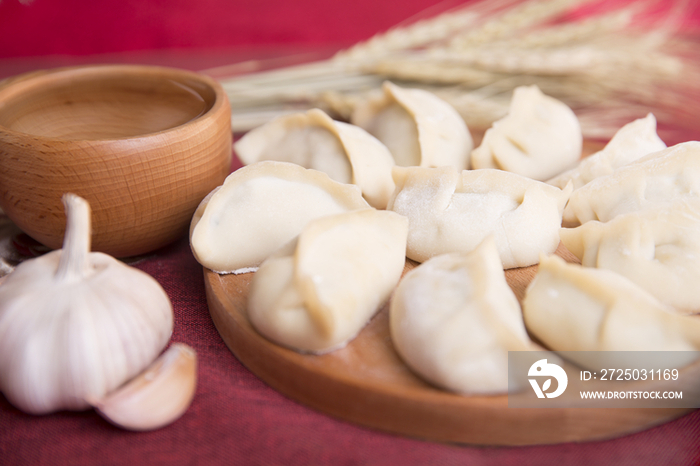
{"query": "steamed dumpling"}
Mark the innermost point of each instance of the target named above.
(631, 142)
(346, 153)
(658, 249)
(316, 293)
(539, 138)
(419, 128)
(449, 211)
(655, 180)
(454, 318)
(573, 308)
(260, 208)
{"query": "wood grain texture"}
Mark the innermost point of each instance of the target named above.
(142, 144)
(367, 383)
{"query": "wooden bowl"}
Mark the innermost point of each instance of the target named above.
(144, 145)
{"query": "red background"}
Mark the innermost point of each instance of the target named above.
(81, 27)
(73, 27)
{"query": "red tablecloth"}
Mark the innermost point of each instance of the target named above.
(237, 419)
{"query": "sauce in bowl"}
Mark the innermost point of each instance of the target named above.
(107, 107)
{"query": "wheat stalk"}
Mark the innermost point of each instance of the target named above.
(424, 32)
(475, 55)
(523, 15)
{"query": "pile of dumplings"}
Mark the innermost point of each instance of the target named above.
(326, 213)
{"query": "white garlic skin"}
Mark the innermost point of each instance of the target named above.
(63, 342)
(65, 337)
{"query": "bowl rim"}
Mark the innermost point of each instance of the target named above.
(220, 96)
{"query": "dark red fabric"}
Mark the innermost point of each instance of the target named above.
(237, 419)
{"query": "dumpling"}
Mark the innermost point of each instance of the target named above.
(656, 179)
(631, 142)
(419, 128)
(449, 211)
(580, 309)
(454, 318)
(658, 249)
(316, 293)
(539, 138)
(260, 208)
(346, 153)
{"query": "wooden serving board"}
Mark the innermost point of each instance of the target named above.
(367, 383)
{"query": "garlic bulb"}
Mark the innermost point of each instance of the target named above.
(75, 325)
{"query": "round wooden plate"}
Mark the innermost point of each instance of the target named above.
(367, 383)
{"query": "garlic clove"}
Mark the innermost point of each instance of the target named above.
(156, 397)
